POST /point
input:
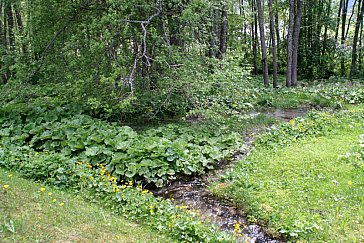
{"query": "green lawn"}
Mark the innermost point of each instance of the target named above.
(31, 212)
(306, 190)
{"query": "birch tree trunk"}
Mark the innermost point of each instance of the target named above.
(254, 28)
(262, 42)
(324, 42)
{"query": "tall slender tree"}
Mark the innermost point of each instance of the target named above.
(360, 62)
(254, 31)
(295, 45)
(343, 27)
(326, 23)
(359, 21)
(274, 47)
(262, 42)
(223, 31)
(290, 43)
(2, 45)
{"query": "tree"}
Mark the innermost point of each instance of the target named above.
(223, 31)
(254, 36)
(342, 42)
(274, 47)
(290, 43)
(262, 42)
(295, 45)
(359, 22)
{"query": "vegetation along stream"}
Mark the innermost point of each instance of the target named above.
(193, 194)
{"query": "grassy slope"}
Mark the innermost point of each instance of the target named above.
(305, 188)
(55, 216)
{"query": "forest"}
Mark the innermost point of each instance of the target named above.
(181, 120)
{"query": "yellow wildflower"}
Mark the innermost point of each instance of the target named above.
(6, 186)
(145, 191)
(61, 204)
(54, 200)
(42, 189)
(50, 194)
(237, 227)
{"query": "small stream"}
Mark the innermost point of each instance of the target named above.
(193, 193)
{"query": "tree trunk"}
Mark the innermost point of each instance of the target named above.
(324, 42)
(211, 50)
(343, 25)
(274, 47)
(2, 28)
(10, 21)
(320, 18)
(19, 24)
(262, 42)
(2, 43)
(296, 35)
(361, 47)
(290, 43)
(351, 16)
(254, 38)
(223, 31)
(359, 20)
(276, 20)
(338, 21)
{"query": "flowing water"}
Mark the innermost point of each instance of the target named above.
(193, 193)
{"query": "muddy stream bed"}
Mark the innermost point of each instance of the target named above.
(194, 194)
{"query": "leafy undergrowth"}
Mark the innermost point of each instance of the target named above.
(31, 212)
(153, 156)
(46, 139)
(304, 179)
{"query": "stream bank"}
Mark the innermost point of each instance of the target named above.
(193, 193)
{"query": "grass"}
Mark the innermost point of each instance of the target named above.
(304, 191)
(31, 212)
(293, 99)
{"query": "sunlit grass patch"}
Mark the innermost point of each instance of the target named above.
(304, 190)
(32, 212)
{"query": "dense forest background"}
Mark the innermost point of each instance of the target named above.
(166, 54)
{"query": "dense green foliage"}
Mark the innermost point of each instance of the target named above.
(47, 138)
(152, 156)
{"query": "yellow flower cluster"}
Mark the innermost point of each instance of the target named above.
(43, 189)
(238, 229)
(192, 212)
